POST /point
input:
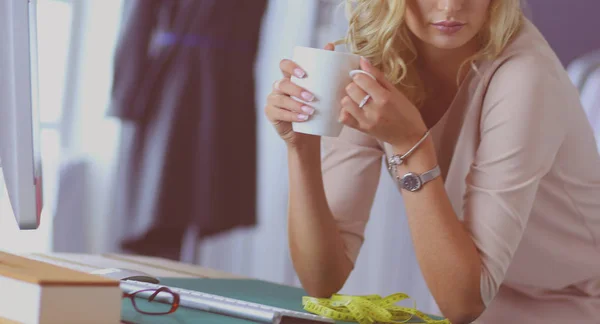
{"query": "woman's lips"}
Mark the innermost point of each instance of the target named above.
(448, 27)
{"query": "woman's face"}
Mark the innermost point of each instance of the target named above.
(446, 24)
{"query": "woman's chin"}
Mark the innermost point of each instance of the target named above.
(448, 43)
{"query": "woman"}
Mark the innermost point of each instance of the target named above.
(507, 227)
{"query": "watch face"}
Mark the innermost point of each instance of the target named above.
(411, 182)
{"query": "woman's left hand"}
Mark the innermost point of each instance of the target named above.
(388, 115)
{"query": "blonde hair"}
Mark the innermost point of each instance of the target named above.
(377, 31)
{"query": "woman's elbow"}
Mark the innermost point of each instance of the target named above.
(325, 283)
(320, 292)
(465, 314)
(324, 288)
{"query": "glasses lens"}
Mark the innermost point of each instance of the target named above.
(161, 303)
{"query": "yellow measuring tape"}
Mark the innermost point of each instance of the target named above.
(367, 309)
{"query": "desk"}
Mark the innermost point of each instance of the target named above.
(157, 267)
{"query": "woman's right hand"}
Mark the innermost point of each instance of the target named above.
(282, 110)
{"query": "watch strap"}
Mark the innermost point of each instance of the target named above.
(431, 174)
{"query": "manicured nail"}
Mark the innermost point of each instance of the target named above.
(354, 73)
(299, 73)
(307, 96)
(308, 110)
(302, 117)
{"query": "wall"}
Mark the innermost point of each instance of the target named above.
(571, 27)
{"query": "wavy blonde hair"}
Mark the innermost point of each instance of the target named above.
(377, 31)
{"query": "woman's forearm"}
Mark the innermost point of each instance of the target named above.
(316, 247)
(444, 249)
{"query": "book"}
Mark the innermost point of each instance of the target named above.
(36, 292)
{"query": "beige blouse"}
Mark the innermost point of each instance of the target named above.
(522, 171)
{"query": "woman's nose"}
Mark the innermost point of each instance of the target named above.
(450, 5)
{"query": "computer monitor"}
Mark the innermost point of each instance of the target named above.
(20, 158)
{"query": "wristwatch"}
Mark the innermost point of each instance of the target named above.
(414, 182)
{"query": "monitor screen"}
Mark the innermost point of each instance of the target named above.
(20, 159)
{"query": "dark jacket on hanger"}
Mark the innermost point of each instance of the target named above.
(184, 87)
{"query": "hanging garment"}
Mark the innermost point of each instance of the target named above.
(184, 88)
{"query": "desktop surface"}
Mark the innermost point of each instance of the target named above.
(187, 276)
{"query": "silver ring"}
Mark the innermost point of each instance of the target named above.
(364, 101)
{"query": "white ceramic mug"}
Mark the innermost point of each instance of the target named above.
(327, 75)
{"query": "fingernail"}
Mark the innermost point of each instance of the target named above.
(307, 96)
(354, 74)
(299, 73)
(302, 117)
(308, 110)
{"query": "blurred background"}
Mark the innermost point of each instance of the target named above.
(167, 152)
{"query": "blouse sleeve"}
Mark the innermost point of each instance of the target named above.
(351, 165)
(521, 132)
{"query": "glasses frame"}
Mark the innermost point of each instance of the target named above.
(174, 305)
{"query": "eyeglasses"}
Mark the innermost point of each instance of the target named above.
(161, 301)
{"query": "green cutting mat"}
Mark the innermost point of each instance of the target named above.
(256, 291)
